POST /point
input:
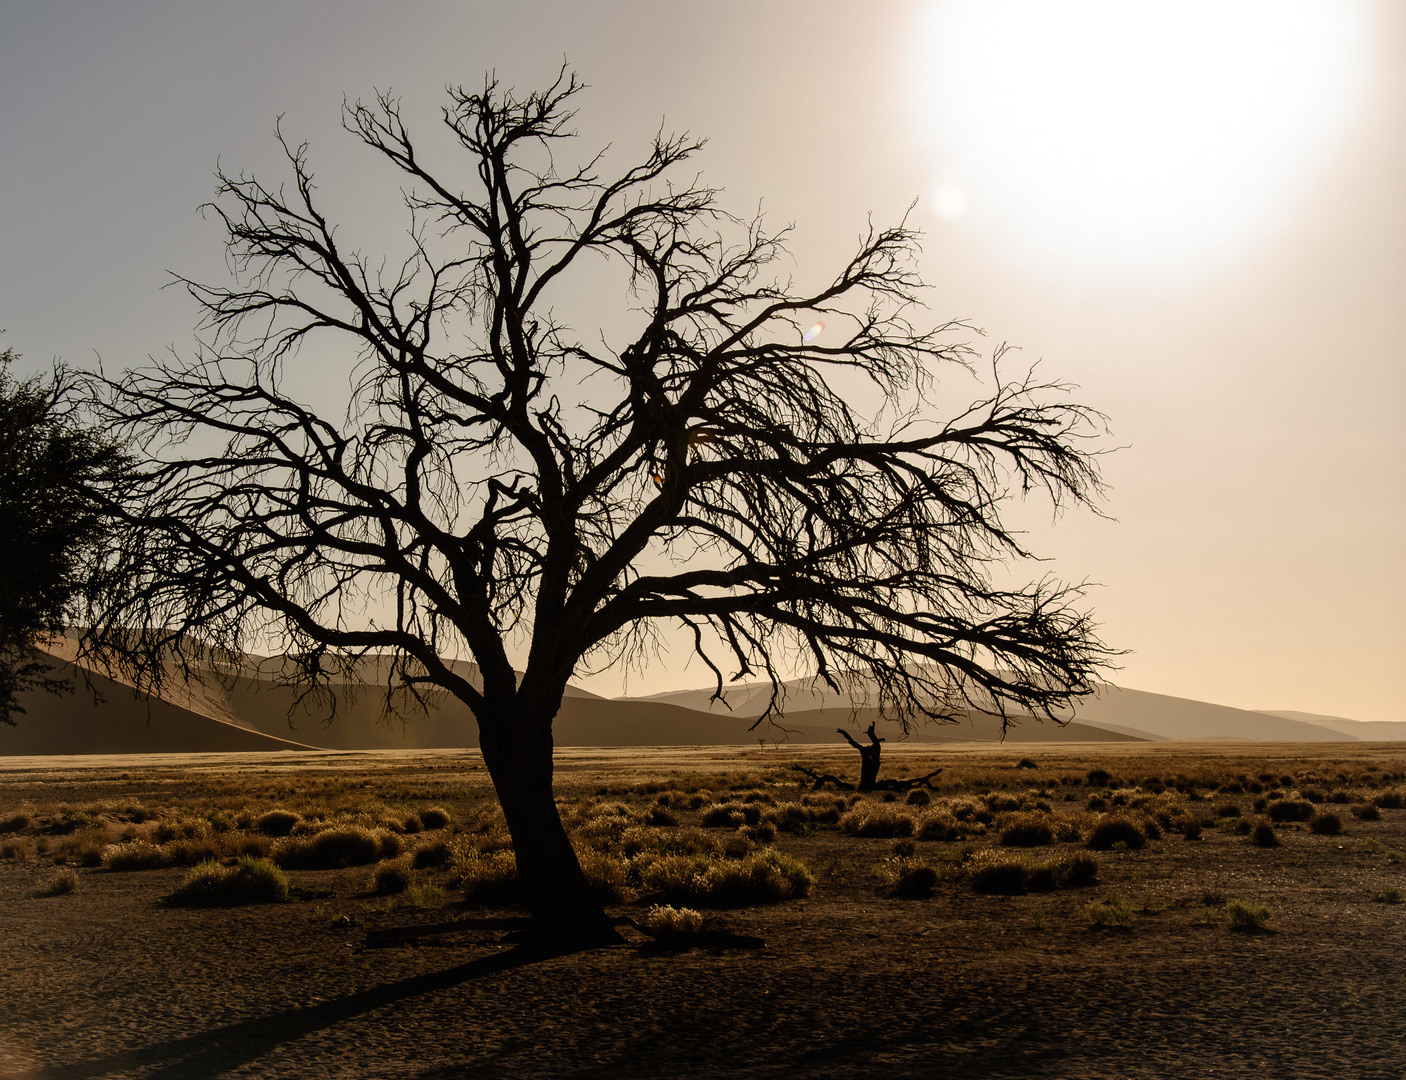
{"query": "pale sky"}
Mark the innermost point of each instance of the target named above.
(1195, 211)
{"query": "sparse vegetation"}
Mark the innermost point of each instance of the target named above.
(1111, 911)
(392, 876)
(62, 883)
(1263, 835)
(668, 923)
(250, 881)
(1389, 895)
(1247, 915)
(1114, 830)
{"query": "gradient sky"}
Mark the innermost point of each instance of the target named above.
(1218, 261)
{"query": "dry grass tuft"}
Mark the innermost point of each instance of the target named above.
(669, 923)
(878, 819)
(136, 855)
(1116, 829)
(249, 881)
(62, 883)
(277, 822)
(1247, 916)
(392, 876)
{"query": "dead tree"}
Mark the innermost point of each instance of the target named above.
(868, 769)
(496, 485)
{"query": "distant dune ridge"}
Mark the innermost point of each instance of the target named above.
(251, 712)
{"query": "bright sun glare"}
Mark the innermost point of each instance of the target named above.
(1133, 135)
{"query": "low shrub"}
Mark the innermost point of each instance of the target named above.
(392, 876)
(1098, 778)
(1390, 895)
(1263, 835)
(1367, 812)
(1326, 824)
(1077, 869)
(1247, 915)
(1290, 809)
(251, 844)
(341, 845)
(918, 797)
(914, 879)
(607, 875)
(1390, 800)
(434, 853)
(15, 822)
(250, 881)
(661, 816)
(989, 871)
(1116, 830)
(668, 923)
(423, 896)
(277, 822)
(62, 883)
(14, 849)
(878, 820)
(723, 816)
(762, 877)
(191, 852)
(487, 877)
(1110, 911)
(435, 817)
(1192, 829)
(1225, 810)
(1027, 830)
(136, 855)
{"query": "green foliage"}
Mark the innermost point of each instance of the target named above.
(49, 523)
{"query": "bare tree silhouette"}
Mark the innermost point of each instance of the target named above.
(499, 478)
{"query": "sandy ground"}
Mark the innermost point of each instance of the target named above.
(850, 982)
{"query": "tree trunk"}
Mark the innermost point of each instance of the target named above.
(517, 750)
(868, 758)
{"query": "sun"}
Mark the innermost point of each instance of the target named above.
(1133, 135)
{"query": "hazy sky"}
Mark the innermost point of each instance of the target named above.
(1196, 211)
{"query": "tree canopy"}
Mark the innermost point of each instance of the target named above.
(796, 500)
(49, 523)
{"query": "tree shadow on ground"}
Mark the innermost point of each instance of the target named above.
(215, 1053)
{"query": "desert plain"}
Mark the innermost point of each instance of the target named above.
(986, 928)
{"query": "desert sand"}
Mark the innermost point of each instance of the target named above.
(854, 980)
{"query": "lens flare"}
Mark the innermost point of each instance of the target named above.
(813, 333)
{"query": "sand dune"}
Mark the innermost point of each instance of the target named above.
(1117, 711)
(250, 710)
(1366, 730)
(123, 723)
